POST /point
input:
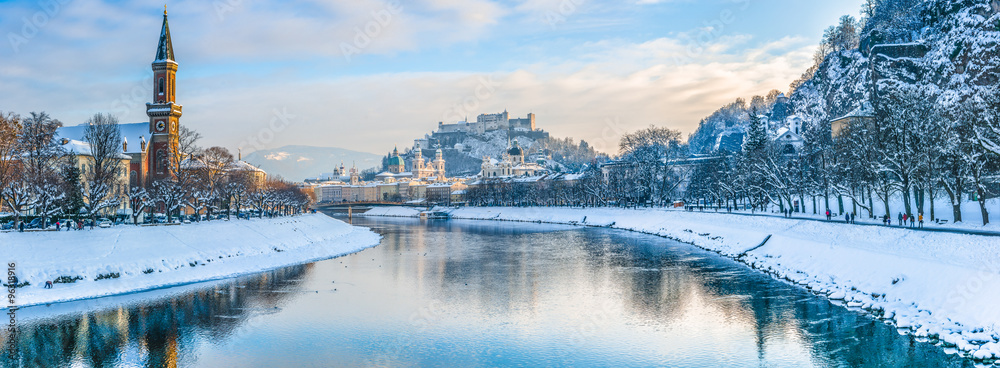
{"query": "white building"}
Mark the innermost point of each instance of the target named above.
(511, 164)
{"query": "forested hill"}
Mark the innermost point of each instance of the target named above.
(945, 50)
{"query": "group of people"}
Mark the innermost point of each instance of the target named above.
(903, 219)
(848, 217)
(70, 225)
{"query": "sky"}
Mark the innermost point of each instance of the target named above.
(368, 75)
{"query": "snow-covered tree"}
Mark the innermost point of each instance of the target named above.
(103, 187)
(40, 157)
(139, 200)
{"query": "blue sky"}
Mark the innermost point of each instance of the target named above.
(260, 74)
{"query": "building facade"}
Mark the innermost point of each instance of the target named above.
(511, 164)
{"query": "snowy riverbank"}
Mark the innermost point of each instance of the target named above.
(938, 286)
(129, 259)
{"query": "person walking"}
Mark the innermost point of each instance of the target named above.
(847, 218)
(20, 226)
(852, 217)
(913, 221)
(899, 219)
(828, 214)
(921, 223)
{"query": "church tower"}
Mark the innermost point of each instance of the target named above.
(439, 165)
(164, 113)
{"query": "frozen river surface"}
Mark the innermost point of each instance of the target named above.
(467, 293)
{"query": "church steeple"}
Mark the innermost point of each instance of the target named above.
(164, 112)
(165, 50)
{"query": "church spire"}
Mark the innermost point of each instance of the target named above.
(165, 50)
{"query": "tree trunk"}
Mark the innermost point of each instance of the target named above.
(980, 193)
(885, 201)
(907, 208)
(930, 196)
(826, 198)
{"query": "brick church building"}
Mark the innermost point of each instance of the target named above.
(163, 154)
(152, 145)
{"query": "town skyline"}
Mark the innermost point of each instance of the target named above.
(585, 76)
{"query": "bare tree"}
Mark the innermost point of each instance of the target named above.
(169, 195)
(40, 155)
(139, 200)
(188, 142)
(216, 160)
(104, 188)
(237, 186)
(10, 133)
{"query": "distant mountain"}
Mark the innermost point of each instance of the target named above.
(296, 163)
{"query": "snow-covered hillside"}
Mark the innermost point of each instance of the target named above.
(944, 48)
(127, 259)
(932, 285)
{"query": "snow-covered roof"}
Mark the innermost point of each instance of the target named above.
(132, 133)
(863, 111)
(786, 134)
(82, 148)
(77, 147)
(242, 166)
(189, 164)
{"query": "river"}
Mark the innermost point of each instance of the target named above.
(467, 293)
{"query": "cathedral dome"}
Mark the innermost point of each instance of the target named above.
(515, 150)
(395, 161)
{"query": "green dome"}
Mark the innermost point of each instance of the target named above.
(396, 161)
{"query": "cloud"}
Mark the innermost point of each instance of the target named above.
(263, 75)
(621, 88)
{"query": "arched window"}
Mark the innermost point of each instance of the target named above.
(161, 161)
(161, 86)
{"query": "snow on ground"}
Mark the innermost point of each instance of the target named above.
(160, 256)
(939, 286)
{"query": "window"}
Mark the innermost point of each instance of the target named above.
(161, 160)
(161, 86)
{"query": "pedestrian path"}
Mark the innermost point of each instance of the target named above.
(930, 228)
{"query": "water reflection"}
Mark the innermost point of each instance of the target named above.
(464, 293)
(151, 333)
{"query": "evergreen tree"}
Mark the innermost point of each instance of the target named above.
(756, 139)
(72, 200)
